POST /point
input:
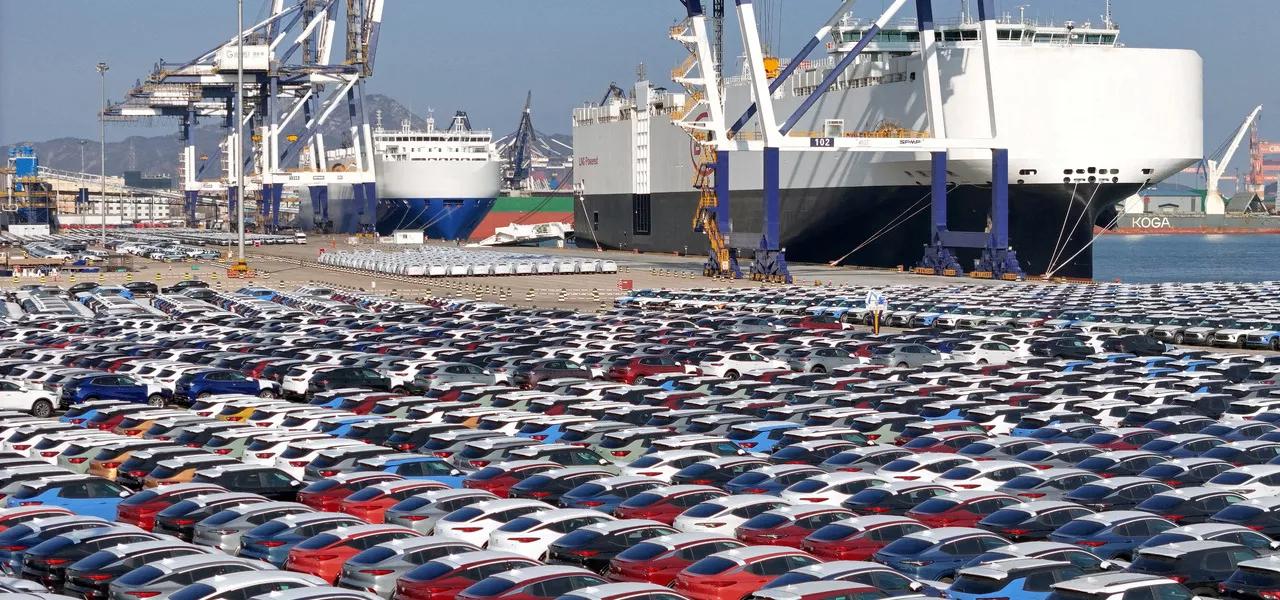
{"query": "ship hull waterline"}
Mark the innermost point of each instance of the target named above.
(820, 225)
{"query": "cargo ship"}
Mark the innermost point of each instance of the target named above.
(1081, 138)
(443, 182)
(1173, 209)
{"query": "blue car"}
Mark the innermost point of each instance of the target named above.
(770, 480)
(416, 466)
(15, 540)
(760, 436)
(937, 553)
(108, 386)
(1111, 534)
(1017, 579)
(1183, 445)
(271, 541)
(217, 381)
(607, 493)
(257, 292)
(1065, 432)
(80, 494)
(344, 427)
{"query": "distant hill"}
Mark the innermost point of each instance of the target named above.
(159, 154)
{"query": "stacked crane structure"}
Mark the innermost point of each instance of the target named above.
(293, 85)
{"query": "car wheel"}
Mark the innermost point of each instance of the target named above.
(267, 394)
(902, 365)
(203, 395)
(42, 408)
(1275, 344)
(639, 381)
(731, 374)
(982, 361)
(1240, 344)
(156, 400)
(1177, 338)
(819, 369)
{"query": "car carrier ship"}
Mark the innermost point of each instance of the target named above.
(1087, 122)
(442, 182)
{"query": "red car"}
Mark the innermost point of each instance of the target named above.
(1122, 438)
(627, 370)
(534, 583)
(140, 509)
(500, 478)
(734, 574)
(858, 538)
(322, 554)
(22, 514)
(658, 560)
(949, 441)
(664, 504)
(327, 494)
(960, 509)
(372, 502)
(444, 577)
(788, 525)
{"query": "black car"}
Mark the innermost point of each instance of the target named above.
(91, 576)
(47, 561)
(1186, 471)
(895, 498)
(1119, 493)
(1032, 520)
(550, 485)
(142, 288)
(79, 288)
(1259, 514)
(184, 285)
(348, 377)
(1199, 564)
(1257, 579)
(1061, 348)
(1142, 345)
(179, 519)
(716, 471)
(593, 546)
(1187, 506)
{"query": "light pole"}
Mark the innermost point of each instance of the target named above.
(240, 128)
(82, 143)
(102, 138)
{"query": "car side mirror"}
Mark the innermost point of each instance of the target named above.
(604, 462)
(1106, 565)
(1274, 545)
(455, 472)
(124, 494)
(915, 586)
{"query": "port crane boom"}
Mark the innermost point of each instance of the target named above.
(1214, 203)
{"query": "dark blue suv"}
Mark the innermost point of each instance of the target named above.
(108, 387)
(217, 381)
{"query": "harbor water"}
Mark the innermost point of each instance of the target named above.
(1169, 258)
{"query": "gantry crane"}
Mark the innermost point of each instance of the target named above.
(293, 85)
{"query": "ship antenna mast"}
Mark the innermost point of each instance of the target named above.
(1106, 15)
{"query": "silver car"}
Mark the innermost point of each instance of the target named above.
(157, 580)
(904, 355)
(430, 377)
(223, 530)
(421, 512)
(819, 360)
(377, 569)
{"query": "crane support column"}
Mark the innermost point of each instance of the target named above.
(937, 256)
(319, 207)
(998, 258)
(724, 224)
(770, 262)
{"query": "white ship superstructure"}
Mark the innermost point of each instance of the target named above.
(1086, 121)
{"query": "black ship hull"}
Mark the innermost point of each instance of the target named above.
(888, 226)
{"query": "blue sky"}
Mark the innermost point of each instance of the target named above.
(482, 55)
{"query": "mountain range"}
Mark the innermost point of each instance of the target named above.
(159, 154)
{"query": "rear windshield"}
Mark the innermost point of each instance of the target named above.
(1081, 527)
(907, 546)
(1156, 565)
(711, 565)
(490, 587)
(1091, 492)
(219, 518)
(1256, 577)
(463, 515)
(316, 542)
(641, 551)
(968, 584)
(139, 576)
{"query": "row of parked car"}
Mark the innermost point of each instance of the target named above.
(633, 454)
(1233, 315)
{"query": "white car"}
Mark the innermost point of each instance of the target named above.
(830, 488)
(532, 534)
(1253, 481)
(988, 352)
(474, 523)
(724, 515)
(294, 459)
(662, 465)
(734, 364)
(923, 467)
(17, 395)
(265, 449)
(985, 475)
(50, 446)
